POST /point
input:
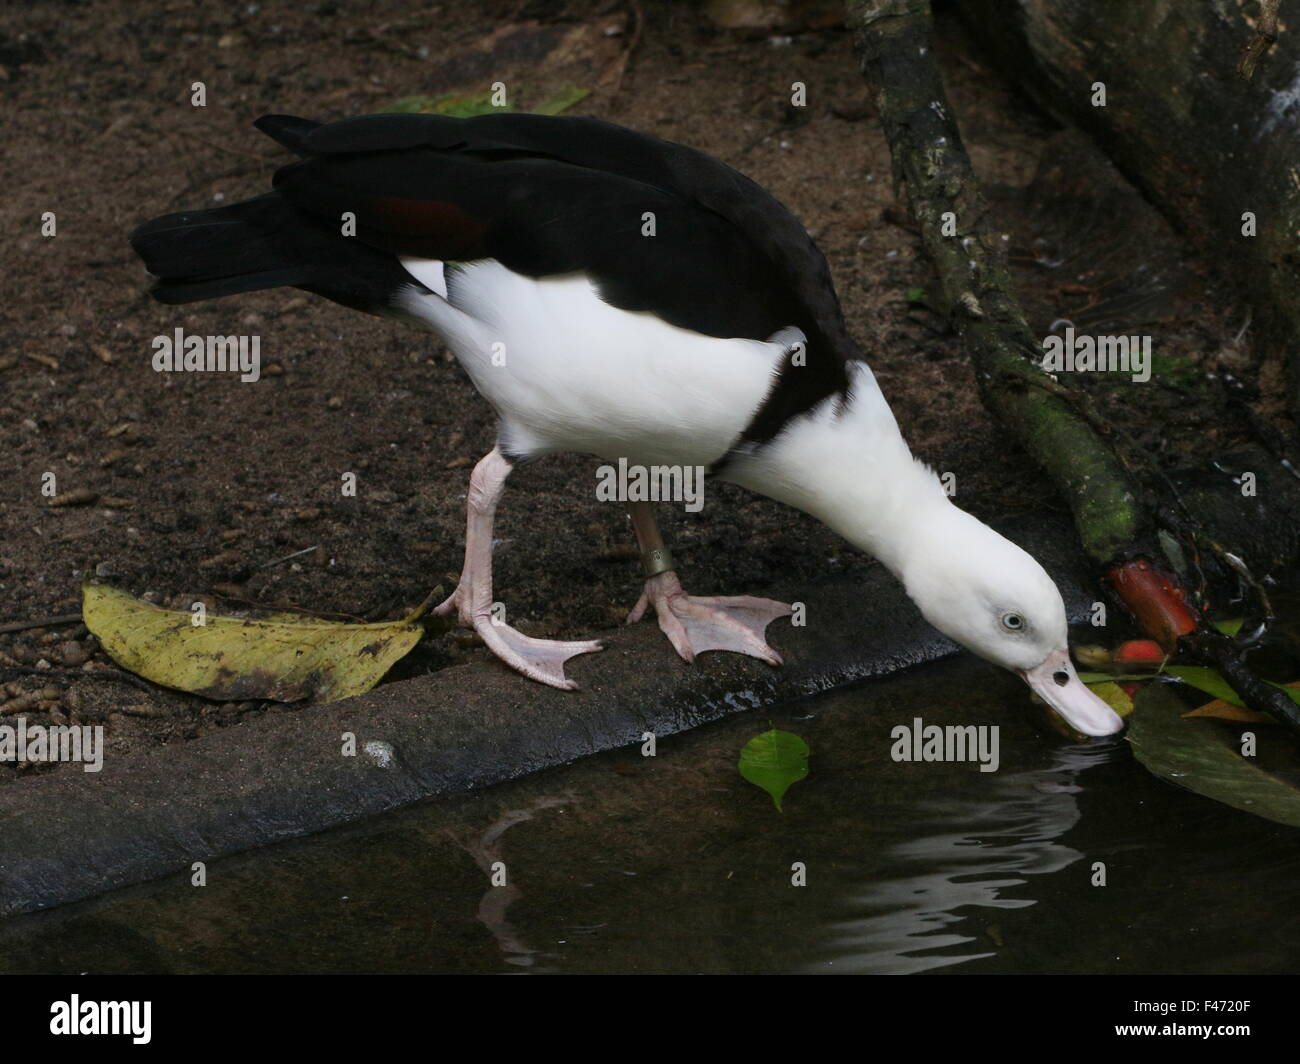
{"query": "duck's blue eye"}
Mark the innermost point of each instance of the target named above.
(1013, 622)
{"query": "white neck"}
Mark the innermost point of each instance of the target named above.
(853, 471)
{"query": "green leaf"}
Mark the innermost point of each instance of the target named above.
(1114, 696)
(774, 760)
(1209, 681)
(456, 104)
(1202, 755)
(471, 104)
(1230, 628)
(1205, 679)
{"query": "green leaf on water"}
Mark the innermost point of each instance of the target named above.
(774, 760)
(1203, 755)
(1230, 628)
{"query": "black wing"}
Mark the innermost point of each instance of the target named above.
(552, 195)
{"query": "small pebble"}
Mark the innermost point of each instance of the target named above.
(79, 497)
(21, 704)
(72, 654)
(225, 559)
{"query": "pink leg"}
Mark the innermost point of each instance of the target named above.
(538, 659)
(694, 625)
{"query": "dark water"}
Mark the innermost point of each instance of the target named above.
(675, 864)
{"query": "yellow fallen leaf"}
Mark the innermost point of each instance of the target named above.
(1114, 696)
(285, 657)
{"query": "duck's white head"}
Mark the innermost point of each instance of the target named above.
(984, 592)
(848, 465)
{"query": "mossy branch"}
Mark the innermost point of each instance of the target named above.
(896, 54)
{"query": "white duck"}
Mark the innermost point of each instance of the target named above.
(613, 294)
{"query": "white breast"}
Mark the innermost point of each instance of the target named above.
(568, 372)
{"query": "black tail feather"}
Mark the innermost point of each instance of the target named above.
(219, 252)
(263, 243)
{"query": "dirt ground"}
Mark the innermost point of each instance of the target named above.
(201, 484)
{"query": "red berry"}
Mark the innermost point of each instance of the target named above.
(1140, 651)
